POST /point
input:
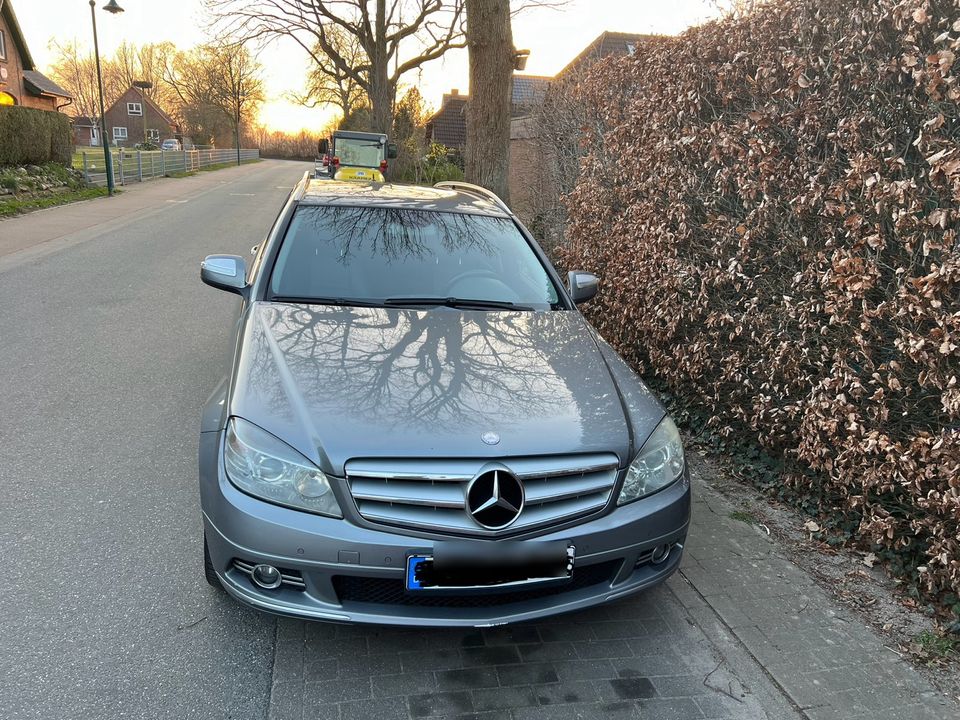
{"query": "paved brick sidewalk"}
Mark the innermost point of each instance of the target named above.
(739, 633)
(824, 658)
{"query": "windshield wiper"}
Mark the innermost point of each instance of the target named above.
(345, 302)
(454, 302)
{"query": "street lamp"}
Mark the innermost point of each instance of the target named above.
(114, 9)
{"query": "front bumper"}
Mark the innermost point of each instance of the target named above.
(356, 574)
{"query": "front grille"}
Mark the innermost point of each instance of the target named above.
(430, 493)
(351, 589)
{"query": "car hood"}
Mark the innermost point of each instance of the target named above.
(342, 382)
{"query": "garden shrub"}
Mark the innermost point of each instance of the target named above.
(773, 204)
(34, 137)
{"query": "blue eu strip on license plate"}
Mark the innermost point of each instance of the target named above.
(413, 562)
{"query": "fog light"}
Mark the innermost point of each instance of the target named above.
(267, 577)
(660, 554)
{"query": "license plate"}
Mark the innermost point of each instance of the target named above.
(489, 567)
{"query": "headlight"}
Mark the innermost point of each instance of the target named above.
(260, 464)
(658, 464)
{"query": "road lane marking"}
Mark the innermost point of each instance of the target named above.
(178, 201)
(243, 194)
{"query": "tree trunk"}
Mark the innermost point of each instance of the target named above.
(490, 43)
(381, 94)
(381, 101)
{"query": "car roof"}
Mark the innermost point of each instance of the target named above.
(408, 197)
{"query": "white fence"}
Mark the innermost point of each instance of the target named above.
(130, 166)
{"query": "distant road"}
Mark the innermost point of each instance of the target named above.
(109, 344)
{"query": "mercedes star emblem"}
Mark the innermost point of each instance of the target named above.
(495, 499)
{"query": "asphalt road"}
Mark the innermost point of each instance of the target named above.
(108, 347)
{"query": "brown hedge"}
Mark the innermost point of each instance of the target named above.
(29, 136)
(772, 202)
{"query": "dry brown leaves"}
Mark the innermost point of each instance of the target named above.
(773, 203)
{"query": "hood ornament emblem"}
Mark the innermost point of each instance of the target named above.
(490, 438)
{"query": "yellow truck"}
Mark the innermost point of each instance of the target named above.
(350, 155)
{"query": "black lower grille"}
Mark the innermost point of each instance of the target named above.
(352, 589)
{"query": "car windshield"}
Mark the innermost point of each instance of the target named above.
(397, 257)
(363, 153)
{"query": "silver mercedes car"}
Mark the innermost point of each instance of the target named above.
(418, 427)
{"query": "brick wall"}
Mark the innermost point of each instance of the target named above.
(13, 65)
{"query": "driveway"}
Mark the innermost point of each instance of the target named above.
(109, 344)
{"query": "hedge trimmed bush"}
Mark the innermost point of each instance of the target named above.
(773, 203)
(34, 137)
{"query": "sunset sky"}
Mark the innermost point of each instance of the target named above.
(553, 36)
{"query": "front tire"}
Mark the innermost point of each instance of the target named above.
(208, 572)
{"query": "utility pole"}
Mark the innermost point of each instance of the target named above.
(239, 96)
(143, 85)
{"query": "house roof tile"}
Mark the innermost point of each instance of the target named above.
(40, 84)
(528, 90)
(449, 124)
(607, 43)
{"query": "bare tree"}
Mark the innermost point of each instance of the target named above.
(132, 63)
(216, 85)
(492, 61)
(380, 26)
(240, 86)
(328, 83)
(76, 71)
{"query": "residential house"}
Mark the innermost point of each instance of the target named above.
(135, 118)
(605, 45)
(20, 82)
(448, 126)
(528, 91)
(86, 132)
(535, 187)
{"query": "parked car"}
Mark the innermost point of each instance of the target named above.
(418, 426)
(171, 144)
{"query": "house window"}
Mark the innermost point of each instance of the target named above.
(119, 133)
(7, 99)
(134, 109)
(153, 134)
(3, 46)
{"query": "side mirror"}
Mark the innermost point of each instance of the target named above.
(392, 151)
(583, 286)
(224, 272)
(324, 147)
